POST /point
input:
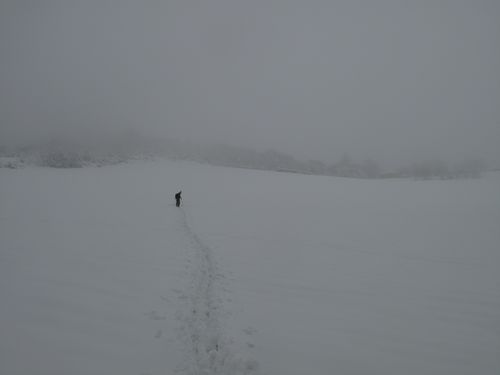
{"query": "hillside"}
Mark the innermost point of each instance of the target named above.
(258, 272)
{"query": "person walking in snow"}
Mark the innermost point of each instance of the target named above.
(178, 198)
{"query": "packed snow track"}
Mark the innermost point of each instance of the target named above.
(208, 350)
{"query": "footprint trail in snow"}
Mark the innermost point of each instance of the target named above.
(208, 350)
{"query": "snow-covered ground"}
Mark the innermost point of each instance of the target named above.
(257, 273)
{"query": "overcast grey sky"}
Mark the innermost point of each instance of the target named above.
(315, 78)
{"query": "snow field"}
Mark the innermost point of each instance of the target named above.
(257, 273)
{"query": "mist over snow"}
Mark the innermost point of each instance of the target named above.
(339, 167)
(381, 80)
(77, 152)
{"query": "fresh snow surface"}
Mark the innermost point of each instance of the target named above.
(256, 273)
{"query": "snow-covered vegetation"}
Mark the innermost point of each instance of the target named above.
(76, 153)
(256, 273)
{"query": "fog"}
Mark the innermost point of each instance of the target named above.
(386, 79)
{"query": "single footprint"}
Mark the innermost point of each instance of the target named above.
(250, 330)
(153, 315)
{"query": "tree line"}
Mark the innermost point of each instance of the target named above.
(70, 153)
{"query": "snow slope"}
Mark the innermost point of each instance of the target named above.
(257, 273)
